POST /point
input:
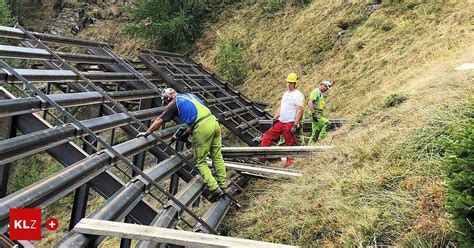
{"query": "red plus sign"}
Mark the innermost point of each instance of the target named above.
(52, 224)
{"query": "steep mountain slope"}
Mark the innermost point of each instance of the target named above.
(393, 64)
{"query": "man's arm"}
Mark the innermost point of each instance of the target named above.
(168, 114)
(299, 109)
(299, 114)
(277, 113)
(312, 98)
(155, 125)
(310, 105)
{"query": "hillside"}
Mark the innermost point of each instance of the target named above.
(393, 67)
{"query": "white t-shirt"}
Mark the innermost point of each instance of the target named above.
(289, 103)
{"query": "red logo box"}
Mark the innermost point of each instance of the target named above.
(25, 223)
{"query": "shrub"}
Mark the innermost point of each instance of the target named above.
(5, 14)
(394, 100)
(459, 194)
(174, 24)
(230, 61)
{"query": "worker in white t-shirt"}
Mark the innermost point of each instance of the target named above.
(287, 117)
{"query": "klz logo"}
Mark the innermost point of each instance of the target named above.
(25, 224)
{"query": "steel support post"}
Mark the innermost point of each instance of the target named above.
(139, 161)
(6, 131)
(81, 195)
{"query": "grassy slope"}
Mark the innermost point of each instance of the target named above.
(372, 189)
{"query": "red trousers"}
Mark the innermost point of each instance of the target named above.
(274, 133)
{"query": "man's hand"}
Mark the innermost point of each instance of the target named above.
(142, 134)
(294, 129)
(185, 135)
(314, 116)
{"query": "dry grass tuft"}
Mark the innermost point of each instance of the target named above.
(109, 30)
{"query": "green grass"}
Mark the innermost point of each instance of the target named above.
(394, 100)
(230, 61)
(32, 169)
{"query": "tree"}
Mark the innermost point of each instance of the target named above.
(172, 23)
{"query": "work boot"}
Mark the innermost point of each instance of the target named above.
(215, 195)
(224, 191)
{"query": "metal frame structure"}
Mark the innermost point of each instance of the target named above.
(85, 92)
(236, 112)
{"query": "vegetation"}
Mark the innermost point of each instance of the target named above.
(391, 63)
(401, 172)
(394, 100)
(174, 24)
(5, 13)
(460, 177)
(30, 170)
(272, 6)
(230, 61)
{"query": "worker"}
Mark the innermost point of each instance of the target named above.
(316, 104)
(286, 120)
(206, 135)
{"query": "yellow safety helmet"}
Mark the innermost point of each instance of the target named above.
(292, 78)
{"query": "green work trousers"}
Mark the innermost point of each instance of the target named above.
(207, 141)
(318, 128)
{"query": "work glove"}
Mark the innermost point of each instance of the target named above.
(142, 134)
(294, 129)
(314, 116)
(185, 135)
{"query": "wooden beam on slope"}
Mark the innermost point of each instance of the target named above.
(164, 235)
(260, 169)
(272, 151)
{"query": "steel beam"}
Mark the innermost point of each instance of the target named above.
(34, 142)
(18, 106)
(232, 112)
(6, 131)
(106, 184)
(187, 173)
(121, 203)
(48, 190)
(14, 33)
(246, 125)
(139, 162)
(63, 76)
(222, 99)
(215, 214)
(41, 54)
(81, 194)
(6, 242)
(168, 216)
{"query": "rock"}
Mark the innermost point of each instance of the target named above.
(72, 18)
(373, 7)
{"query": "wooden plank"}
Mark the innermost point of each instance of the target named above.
(277, 149)
(266, 170)
(163, 235)
(272, 151)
